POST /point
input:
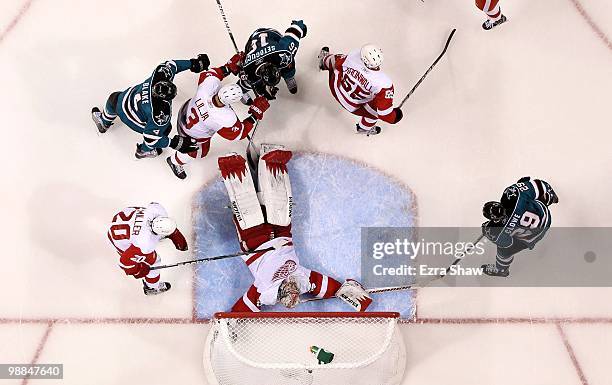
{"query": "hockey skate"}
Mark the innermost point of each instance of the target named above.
(292, 85)
(177, 169)
(372, 131)
(492, 270)
(139, 154)
(164, 286)
(96, 116)
(324, 52)
(487, 25)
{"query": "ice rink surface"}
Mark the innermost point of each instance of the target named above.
(528, 98)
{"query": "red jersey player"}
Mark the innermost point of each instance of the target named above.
(210, 112)
(493, 11)
(135, 233)
(263, 222)
(358, 84)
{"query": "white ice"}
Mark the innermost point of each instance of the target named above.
(529, 98)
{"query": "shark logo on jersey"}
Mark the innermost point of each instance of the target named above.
(161, 118)
(285, 59)
(511, 192)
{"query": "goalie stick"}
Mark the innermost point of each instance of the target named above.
(210, 259)
(430, 68)
(409, 287)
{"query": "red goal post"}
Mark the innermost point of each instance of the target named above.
(277, 348)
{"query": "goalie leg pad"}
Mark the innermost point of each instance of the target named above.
(274, 184)
(353, 293)
(241, 190)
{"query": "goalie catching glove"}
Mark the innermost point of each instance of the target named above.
(353, 293)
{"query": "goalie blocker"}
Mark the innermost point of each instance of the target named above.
(262, 217)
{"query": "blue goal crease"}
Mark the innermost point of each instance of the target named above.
(334, 198)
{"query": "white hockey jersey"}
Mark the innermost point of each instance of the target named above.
(270, 269)
(131, 234)
(203, 119)
(355, 85)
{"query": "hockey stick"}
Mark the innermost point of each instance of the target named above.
(210, 259)
(227, 27)
(429, 69)
(413, 286)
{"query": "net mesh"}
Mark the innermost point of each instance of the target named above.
(276, 350)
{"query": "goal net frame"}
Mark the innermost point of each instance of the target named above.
(387, 345)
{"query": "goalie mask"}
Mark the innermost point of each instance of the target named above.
(164, 90)
(494, 211)
(289, 292)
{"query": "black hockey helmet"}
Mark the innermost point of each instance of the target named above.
(494, 211)
(164, 89)
(269, 73)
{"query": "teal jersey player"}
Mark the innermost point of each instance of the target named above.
(518, 221)
(147, 108)
(270, 55)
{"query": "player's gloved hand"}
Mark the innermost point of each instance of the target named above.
(300, 24)
(398, 115)
(143, 270)
(179, 241)
(183, 144)
(259, 106)
(201, 63)
(234, 65)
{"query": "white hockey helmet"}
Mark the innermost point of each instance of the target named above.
(371, 56)
(163, 226)
(230, 94)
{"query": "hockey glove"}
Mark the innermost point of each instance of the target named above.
(398, 115)
(143, 270)
(259, 106)
(200, 63)
(179, 241)
(300, 27)
(234, 65)
(183, 144)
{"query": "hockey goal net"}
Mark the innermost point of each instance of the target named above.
(295, 348)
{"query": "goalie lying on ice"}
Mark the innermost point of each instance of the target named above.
(263, 222)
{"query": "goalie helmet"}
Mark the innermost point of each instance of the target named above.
(494, 211)
(164, 89)
(163, 226)
(269, 73)
(371, 56)
(289, 292)
(230, 94)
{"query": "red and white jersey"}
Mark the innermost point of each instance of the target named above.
(203, 119)
(355, 85)
(132, 236)
(270, 268)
